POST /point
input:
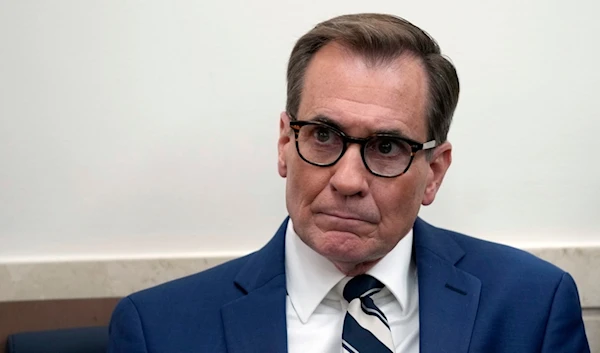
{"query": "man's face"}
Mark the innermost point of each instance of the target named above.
(344, 212)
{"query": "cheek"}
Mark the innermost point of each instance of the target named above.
(399, 203)
(395, 201)
(304, 184)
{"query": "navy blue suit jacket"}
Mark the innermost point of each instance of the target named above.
(474, 296)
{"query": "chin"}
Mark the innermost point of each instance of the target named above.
(341, 247)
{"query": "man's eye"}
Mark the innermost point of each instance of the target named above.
(387, 147)
(323, 135)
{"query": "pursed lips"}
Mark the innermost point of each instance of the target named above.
(347, 216)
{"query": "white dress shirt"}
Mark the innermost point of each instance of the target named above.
(316, 308)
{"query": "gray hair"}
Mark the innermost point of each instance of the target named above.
(381, 38)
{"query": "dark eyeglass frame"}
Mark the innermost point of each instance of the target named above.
(415, 146)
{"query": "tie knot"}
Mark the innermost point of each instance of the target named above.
(360, 286)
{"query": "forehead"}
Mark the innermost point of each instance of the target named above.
(363, 98)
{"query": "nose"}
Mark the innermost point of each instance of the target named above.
(350, 174)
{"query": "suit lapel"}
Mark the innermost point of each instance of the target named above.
(448, 296)
(256, 322)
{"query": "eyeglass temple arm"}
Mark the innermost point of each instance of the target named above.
(429, 145)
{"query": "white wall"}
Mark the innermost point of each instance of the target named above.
(142, 128)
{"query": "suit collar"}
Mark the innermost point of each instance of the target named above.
(448, 296)
(269, 262)
(436, 241)
(264, 265)
(256, 322)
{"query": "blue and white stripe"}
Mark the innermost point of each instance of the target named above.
(366, 329)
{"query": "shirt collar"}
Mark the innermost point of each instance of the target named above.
(310, 276)
(397, 270)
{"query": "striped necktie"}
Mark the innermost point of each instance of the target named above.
(366, 329)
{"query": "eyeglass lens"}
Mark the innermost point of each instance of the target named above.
(383, 155)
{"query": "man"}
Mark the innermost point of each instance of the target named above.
(362, 145)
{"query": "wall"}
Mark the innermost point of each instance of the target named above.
(132, 128)
(146, 128)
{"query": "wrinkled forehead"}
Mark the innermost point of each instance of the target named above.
(363, 97)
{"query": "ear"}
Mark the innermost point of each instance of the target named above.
(438, 165)
(283, 142)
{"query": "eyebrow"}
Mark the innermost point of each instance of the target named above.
(389, 132)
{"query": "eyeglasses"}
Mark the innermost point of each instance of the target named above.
(383, 155)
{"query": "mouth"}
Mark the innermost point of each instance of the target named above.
(343, 216)
(341, 222)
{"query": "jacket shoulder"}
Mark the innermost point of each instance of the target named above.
(502, 262)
